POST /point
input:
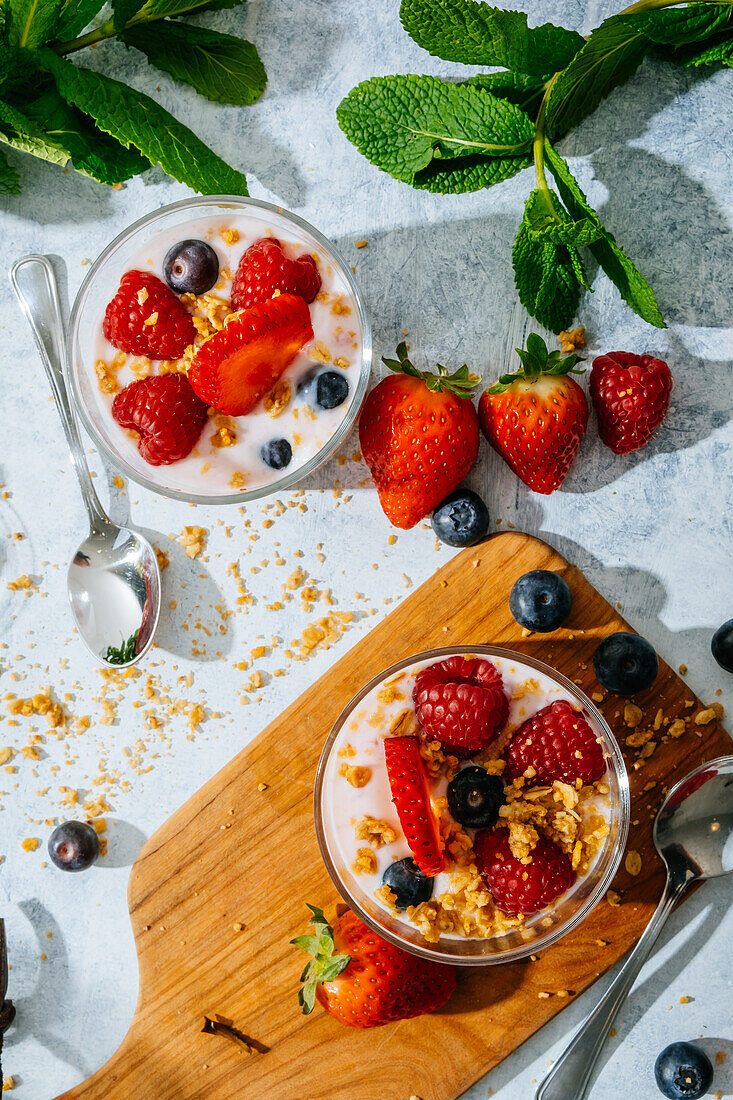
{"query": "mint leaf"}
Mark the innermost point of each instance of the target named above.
(610, 57)
(222, 68)
(522, 90)
(9, 178)
(92, 152)
(709, 53)
(552, 223)
(478, 34)
(402, 124)
(546, 280)
(159, 9)
(678, 26)
(634, 289)
(134, 119)
(32, 21)
(463, 174)
(123, 11)
(75, 16)
(20, 132)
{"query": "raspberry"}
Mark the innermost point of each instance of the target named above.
(146, 318)
(630, 394)
(166, 412)
(264, 268)
(518, 887)
(559, 744)
(461, 703)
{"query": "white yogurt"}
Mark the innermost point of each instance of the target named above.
(361, 743)
(337, 344)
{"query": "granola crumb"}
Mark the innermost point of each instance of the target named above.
(261, 787)
(375, 831)
(278, 397)
(30, 844)
(229, 236)
(193, 540)
(632, 715)
(708, 715)
(720, 1057)
(8, 1083)
(163, 559)
(682, 670)
(356, 775)
(632, 863)
(362, 244)
(365, 862)
(613, 898)
(686, 1000)
(571, 341)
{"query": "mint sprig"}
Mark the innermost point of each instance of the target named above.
(449, 137)
(102, 127)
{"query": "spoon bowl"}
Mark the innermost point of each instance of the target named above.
(694, 827)
(114, 578)
(114, 591)
(693, 833)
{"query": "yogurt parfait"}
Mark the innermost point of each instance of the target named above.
(219, 350)
(471, 802)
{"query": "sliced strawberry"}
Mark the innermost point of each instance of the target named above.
(238, 365)
(409, 787)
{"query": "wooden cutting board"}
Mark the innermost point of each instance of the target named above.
(234, 854)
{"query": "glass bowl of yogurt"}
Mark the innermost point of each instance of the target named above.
(360, 834)
(226, 465)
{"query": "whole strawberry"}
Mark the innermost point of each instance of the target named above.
(630, 394)
(419, 435)
(558, 743)
(518, 887)
(364, 981)
(461, 702)
(409, 789)
(166, 412)
(536, 418)
(264, 268)
(145, 318)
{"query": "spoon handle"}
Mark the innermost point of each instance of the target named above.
(569, 1077)
(39, 300)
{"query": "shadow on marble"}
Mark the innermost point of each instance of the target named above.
(723, 1079)
(124, 842)
(50, 989)
(197, 626)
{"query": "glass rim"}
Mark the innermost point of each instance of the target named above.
(433, 952)
(245, 495)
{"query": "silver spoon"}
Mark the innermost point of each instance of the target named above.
(693, 833)
(114, 578)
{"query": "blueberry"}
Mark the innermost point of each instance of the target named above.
(461, 519)
(73, 846)
(407, 882)
(474, 798)
(540, 601)
(277, 453)
(721, 646)
(625, 663)
(191, 267)
(683, 1072)
(332, 389)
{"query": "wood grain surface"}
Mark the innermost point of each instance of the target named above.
(234, 854)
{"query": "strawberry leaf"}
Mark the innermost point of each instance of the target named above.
(478, 34)
(460, 382)
(324, 966)
(134, 119)
(536, 360)
(221, 67)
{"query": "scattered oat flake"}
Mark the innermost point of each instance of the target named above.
(613, 898)
(632, 863)
(193, 540)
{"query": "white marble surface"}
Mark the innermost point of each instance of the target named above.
(652, 532)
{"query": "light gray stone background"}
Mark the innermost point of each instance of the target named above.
(651, 531)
